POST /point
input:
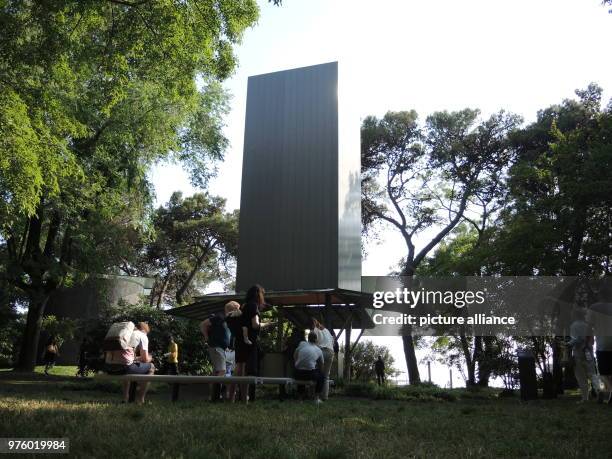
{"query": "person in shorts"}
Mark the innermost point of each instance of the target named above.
(51, 353)
(233, 318)
(217, 336)
(135, 360)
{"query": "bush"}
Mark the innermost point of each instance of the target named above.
(420, 392)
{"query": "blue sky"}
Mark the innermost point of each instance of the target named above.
(425, 55)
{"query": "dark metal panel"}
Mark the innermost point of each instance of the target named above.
(289, 212)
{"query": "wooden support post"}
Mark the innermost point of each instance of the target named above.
(279, 331)
(347, 349)
(429, 371)
(357, 340)
(328, 310)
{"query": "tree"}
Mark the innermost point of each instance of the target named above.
(422, 178)
(92, 93)
(195, 238)
(559, 208)
(363, 357)
(556, 209)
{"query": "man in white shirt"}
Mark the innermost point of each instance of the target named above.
(325, 341)
(308, 360)
(581, 342)
(135, 360)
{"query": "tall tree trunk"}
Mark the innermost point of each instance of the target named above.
(484, 359)
(411, 361)
(162, 292)
(29, 348)
(180, 293)
(557, 367)
(469, 361)
(412, 365)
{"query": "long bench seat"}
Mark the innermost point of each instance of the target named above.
(178, 380)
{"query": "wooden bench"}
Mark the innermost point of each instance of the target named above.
(178, 380)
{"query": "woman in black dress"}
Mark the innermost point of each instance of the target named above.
(246, 342)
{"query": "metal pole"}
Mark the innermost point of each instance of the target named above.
(429, 371)
(450, 372)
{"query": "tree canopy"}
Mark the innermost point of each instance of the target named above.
(92, 94)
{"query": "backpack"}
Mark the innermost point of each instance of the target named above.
(219, 333)
(119, 336)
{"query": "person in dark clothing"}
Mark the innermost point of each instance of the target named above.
(309, 360)
(379, 368)
(218, 336)
(233, 318)
(247, 351)
(246, 343)
(82, 368)
(51, 353)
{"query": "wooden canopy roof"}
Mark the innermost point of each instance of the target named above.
(334, 307)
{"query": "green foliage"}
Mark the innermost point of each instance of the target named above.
(363, 357)
(423, 392)
(62, 329)
(559, 206)
(11, 325)
(194, 242)
(92, 94)
(11, 330)
(416, 178)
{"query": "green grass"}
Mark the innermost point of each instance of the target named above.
(420, 424)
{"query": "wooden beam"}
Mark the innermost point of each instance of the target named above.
(347, 350)
(279, 331)
(356, 341)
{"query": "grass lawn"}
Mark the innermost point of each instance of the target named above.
(88, 413)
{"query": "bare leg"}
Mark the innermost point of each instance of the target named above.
(216, 392)
(126, 391)
(231, 396)
(244, 388)
(142, 388)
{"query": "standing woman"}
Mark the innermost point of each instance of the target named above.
(325, 341)
(246, 343)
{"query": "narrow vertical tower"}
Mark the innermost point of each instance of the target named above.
(300, 211)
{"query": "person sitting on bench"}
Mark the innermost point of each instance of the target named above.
(308, 364)
(135, 360)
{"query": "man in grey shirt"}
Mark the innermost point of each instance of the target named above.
(308, 360)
